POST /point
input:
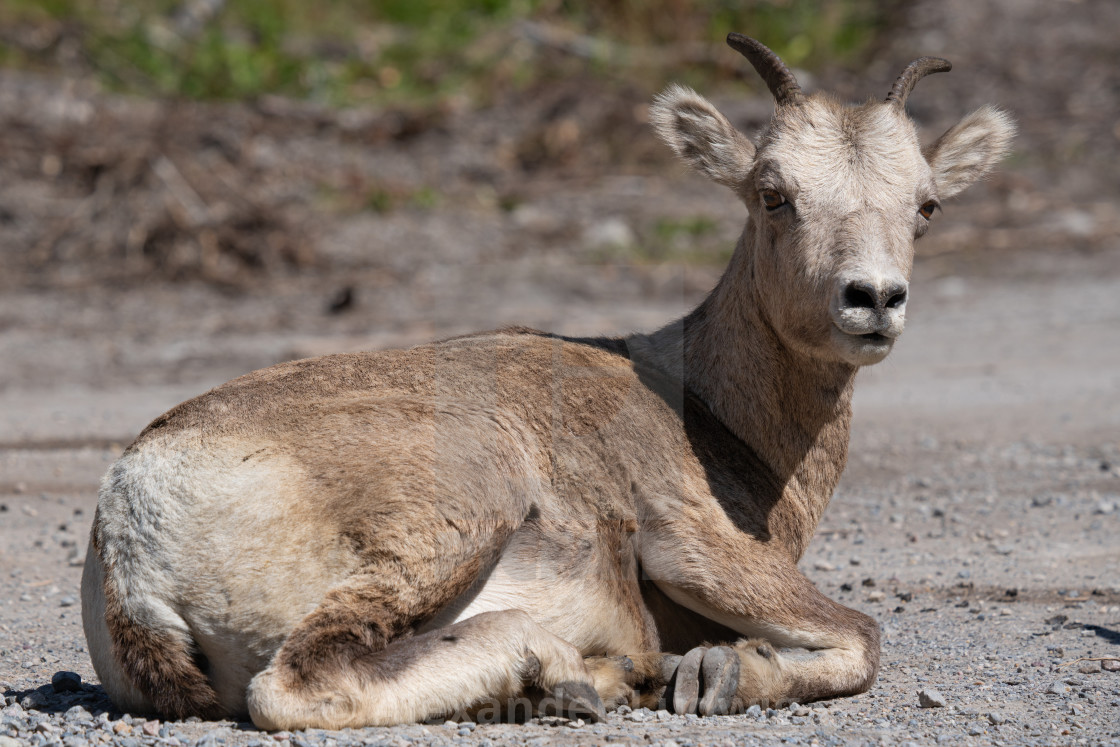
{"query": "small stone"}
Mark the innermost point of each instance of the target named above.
(1089, 667)
(854, 560)
(151, 728)
(122, 728)
(1111, 665)
(755, 710)
(1055, 688)
(931, 699)
(66, 682)
(67, 601)
(975, 731)
(876, 596)
(9, 742)
(995, 718)
(34, 700)
(799, 710)
(77, 713)
(464, 732)
(824, 565)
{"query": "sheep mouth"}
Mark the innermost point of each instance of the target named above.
(875, 337)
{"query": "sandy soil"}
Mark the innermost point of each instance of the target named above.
(978, 519)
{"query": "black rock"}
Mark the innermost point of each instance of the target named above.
(66, 682)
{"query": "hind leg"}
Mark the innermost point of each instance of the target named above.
(484, 662)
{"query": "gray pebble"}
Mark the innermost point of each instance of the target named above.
(931, 698)
(34, 700)
(77, 713)
(1055, 688)
(67, 601)
(996, 718)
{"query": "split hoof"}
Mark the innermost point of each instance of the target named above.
(720, 672)
(578, 700)
(686, 682)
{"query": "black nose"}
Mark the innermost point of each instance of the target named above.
(860, 294)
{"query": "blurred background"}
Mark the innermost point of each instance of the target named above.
(190, 189)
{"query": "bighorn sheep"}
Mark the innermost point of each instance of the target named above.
(386, 537)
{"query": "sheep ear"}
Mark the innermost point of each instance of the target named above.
(701, 136)
(970, 149)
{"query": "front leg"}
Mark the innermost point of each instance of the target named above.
(835, 650)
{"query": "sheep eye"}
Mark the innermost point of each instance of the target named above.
(926, 210)
(772, 199)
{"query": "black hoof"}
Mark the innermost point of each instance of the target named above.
(578, 700)
(686, 683)
(721, 681)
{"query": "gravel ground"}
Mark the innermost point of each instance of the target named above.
(977, 521)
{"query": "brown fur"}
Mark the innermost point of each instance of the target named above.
(376, 537)
(157, 661)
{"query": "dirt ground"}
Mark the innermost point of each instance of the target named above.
(979, 516)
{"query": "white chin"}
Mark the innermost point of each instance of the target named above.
(862, 350)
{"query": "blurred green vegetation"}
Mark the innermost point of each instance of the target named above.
(693, 240)
(397, 51)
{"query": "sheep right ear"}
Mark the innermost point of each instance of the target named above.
(970, 150)
(701, 136)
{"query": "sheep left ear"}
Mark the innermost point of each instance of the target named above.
(970, 149)
(702, 136)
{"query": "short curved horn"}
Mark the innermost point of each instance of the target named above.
(778, 78)
(914, 72)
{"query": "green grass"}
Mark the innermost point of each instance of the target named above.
(691, 240)
(400, 51)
